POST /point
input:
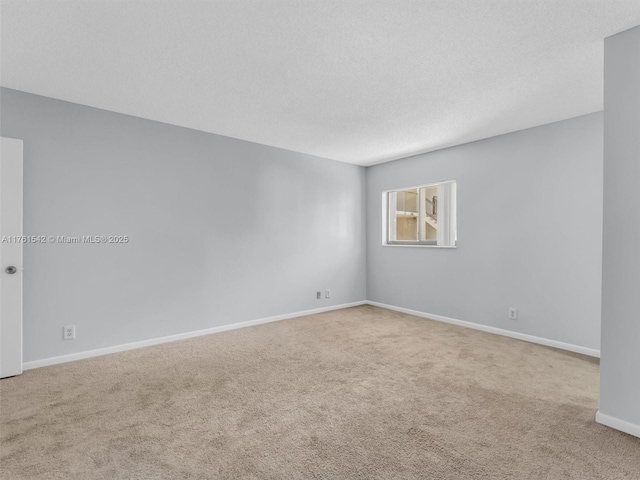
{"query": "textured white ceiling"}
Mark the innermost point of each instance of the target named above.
(356, 81)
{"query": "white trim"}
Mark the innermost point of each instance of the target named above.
(498, 331)
(420, 245)
(618, 424)
(222, 328)
(180, 336)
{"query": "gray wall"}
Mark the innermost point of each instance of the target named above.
(620, 367)
(221, 230)
(529, 233)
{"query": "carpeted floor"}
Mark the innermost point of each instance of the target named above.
(361, 393)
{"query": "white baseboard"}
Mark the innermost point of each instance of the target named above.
(622, 425)
(208, 331)
(181, 336)
(498, 331)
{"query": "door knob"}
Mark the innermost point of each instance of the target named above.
(11, 270)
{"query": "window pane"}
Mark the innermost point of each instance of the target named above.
(405, 215)
(429, 217)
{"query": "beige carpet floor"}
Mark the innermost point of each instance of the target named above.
(361, 393)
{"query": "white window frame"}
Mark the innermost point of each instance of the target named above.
(446, 214)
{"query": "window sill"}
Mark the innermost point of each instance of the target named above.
(417, 246)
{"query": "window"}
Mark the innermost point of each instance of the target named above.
(422, 215)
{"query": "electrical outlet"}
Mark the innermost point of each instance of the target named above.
(513, 314)
(69, 332)
(327, 293)
(318, 295)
